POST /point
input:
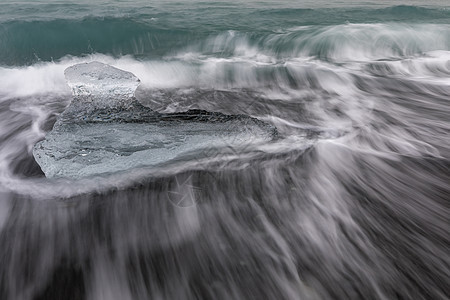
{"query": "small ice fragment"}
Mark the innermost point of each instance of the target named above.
(98, 80)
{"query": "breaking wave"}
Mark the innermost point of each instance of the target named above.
(350, 202)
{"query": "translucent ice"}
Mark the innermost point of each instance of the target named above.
(105, 129)
(103, 84)
(100, 92)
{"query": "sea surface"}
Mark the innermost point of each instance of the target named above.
(351, 201)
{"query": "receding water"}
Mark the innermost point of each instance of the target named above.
(351, 201)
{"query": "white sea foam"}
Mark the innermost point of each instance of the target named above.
(329, 93)
(417, 51)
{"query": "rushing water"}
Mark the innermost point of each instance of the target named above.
(350, 202)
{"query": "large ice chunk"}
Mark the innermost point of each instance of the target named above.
(78, 150)
(105, 129)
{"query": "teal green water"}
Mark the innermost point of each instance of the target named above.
(49, 30)
(349, 202)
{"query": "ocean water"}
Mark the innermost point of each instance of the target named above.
(350, 202)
